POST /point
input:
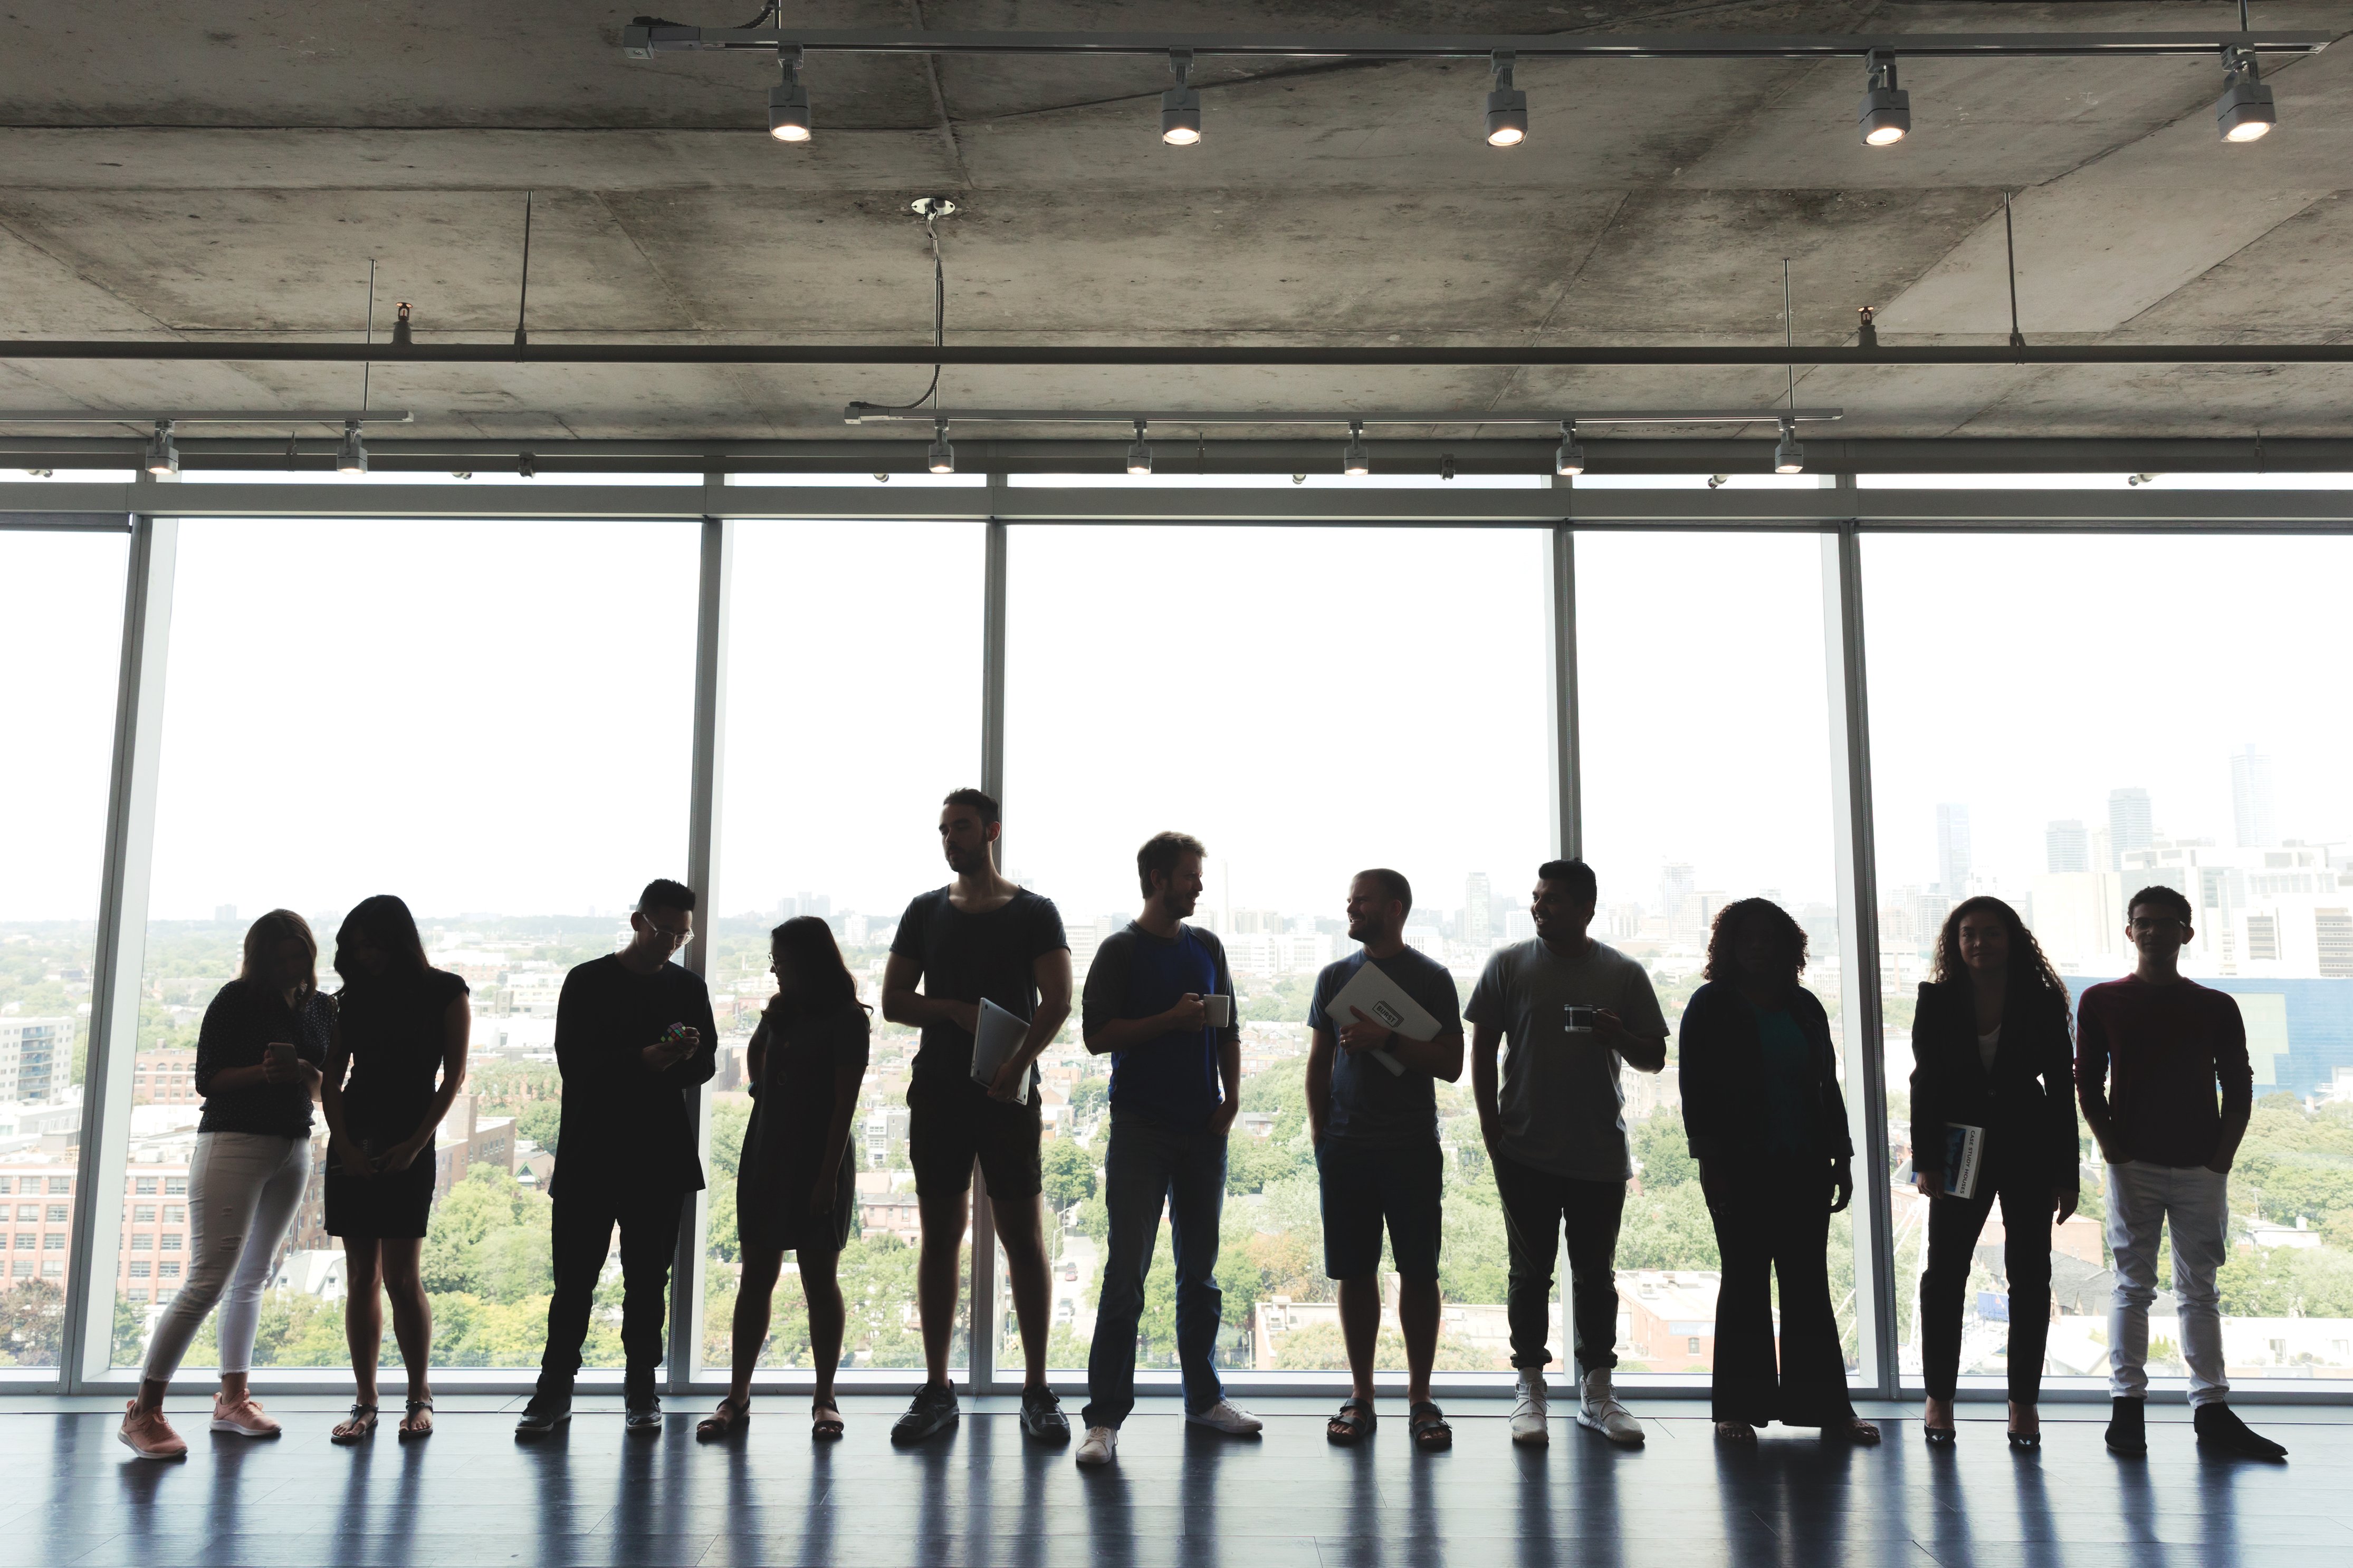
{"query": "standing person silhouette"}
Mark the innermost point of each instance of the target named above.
(401, 1033)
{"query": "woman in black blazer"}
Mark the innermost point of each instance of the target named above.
(1768, 1125)
(1990, 1049)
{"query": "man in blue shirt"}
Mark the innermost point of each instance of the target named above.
(1372, 1108)
(1175, 1084)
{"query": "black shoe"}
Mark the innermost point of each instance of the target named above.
(1042, 1417)
(542, 1416)
(2127, 1433)
(644, 1414)
(2220, 1429)
(935, 1411)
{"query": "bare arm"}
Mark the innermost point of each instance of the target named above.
(1320, 1048)
(1052, 973)
(456, 1036)
(339, 1142)
(846, 1080)
(1126, 1034)
(1485, 1082)
(903, 1004)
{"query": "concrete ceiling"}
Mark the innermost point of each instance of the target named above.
(229, 170)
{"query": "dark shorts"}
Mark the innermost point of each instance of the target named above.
(946, 1134)
(1365, 1184)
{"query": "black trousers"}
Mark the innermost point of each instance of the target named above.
(582, 1235)
(1772, 1219)
(1953, 1228)
(1539, 1209)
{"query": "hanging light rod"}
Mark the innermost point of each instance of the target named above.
(873, 414)
(648, 36)
(267, 416)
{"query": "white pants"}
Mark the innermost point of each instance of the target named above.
(2143, 1201)
(243, 1190)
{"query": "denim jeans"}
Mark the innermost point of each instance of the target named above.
(2143, 1201)
(1540, 1211)
(1144, 1165)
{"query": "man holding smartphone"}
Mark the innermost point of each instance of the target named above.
(1573, 1010)
(1160, 1002)
(633, 1033)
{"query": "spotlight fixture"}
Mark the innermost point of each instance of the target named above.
(163, 452)
(1139, 455)
(1885, 113)
(789, 100)
(1508, 105)
(1181, 106)
(351, 452)
(2245, 111)
(942, 459)
(1355, 461)
(1789, 457)
(1569, 460)
(526, 466)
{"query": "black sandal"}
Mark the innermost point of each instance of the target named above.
(1941, 1436)
(1353, 1425)
(732, 1417)
(825, 1428)
(1431, 1435)
(408, 1432)
(362, 1417)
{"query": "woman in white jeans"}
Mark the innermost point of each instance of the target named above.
(257, 1059)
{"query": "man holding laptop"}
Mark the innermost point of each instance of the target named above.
(1555, 1126)
(1383, 1029)
(979, 941)
(1160, 1002)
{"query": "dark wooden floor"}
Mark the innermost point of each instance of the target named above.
(69, 1493)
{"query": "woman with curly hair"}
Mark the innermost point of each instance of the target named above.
(1990, 1049)
(1768, 1125)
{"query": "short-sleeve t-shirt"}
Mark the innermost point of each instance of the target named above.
(1564, 1110)
(1370, 1103)
(1174, 1081)
(968, 957)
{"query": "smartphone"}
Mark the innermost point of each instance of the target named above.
(1577, 1020)
(283, 1051)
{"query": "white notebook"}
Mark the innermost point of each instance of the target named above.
(1384, 1002)
(999, 1036)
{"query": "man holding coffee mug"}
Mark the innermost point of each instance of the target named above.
(1159, 1001)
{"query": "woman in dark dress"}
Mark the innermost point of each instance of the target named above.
(796, 1185)
(1768, 1125)
(1990, 1049)
(399, 1025)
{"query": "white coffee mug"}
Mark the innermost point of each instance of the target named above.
(1218, 1010)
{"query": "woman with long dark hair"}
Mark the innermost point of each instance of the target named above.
(401, 1032)
(796, 1185)
(257, 1059)
(1768, 1125)
(1990, 1049)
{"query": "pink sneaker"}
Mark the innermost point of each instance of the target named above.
(149, 1437)
(243, 1417)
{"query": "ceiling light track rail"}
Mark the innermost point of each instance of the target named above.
(873, 414)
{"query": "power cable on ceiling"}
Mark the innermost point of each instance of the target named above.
(939, 310)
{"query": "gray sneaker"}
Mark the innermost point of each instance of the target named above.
(1042, 1417)
(934, 1411)
(542, 1415)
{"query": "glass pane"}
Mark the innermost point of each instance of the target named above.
(826, 616)
(2163, 720)
(492, 719)
(1705, 729)
(61, 599)
(1308, 703)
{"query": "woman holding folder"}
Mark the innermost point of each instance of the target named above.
(1992, 1063)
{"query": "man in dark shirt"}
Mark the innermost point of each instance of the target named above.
(979, 938)
(2151, 1050)
(634, 1036)
(1372, 1109)
(1175, 1084)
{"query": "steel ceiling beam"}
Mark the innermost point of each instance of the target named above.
(873, 414)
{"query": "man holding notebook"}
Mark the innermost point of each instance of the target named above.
(979, 939)
(1383, 1029)
(1160, 1002)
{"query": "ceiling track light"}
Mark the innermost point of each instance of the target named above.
(1884, 116)
(1139, 454)
(1181, 106)
(1788, 457)
(351, 452)
(789, 100)
(1569, 460)
(1355, 461)
(163, 452)
(1508, 105)
(2245, 111)
(941, 460)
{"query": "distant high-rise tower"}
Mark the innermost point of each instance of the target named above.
(2251, 798)
(2066, 847)
(1953, 849)
(1675, 884)
(2130, 824)
(1478, 908)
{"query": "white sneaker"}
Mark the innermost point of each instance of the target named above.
(1101, 1447)
(1599, 1410)
(1226, 1417)
(1528, 1410)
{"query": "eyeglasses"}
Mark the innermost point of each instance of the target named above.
(676, 937)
